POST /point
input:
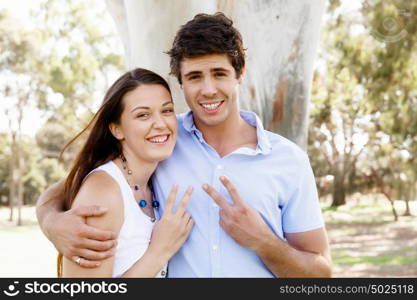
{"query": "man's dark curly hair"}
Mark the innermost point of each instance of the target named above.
(207, 34)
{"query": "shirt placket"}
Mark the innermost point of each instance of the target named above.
(215, 247)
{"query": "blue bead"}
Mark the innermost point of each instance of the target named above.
(155, 204)
(142, 203)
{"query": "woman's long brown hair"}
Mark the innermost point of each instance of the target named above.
(101, 146)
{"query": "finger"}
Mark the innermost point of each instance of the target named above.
(186, 216)
(189, 226)
(88, 254)
(89, 211)
(216, 196)
(232, 190)
(99, 245)
(190, 219)
(97, 234)
(171, 198)
(185, 200)
(85, 263)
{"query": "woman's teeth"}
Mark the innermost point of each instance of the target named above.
(159, 139)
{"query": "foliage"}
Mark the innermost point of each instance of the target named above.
(60, 66)
(363, 131)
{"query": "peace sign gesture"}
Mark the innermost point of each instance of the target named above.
(174, 227)
(243, 223)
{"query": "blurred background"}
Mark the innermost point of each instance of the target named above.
(58, 57)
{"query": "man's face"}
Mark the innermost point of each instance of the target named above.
(210, 88)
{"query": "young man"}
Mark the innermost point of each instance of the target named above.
(257, 212)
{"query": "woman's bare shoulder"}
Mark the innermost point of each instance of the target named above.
(99, 188)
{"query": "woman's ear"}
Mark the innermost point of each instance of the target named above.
(116, 131)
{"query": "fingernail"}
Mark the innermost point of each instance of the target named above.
(190, 188)
(205, 186)
(222, 177)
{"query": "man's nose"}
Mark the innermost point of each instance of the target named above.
(209, 89)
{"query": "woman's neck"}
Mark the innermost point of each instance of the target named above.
(141, 171)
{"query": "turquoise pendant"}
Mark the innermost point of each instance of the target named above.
(142, 203)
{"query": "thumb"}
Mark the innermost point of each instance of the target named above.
(90, 211)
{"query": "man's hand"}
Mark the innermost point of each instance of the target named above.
(73, 238)
(243, 223)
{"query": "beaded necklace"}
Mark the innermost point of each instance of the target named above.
(135, 187)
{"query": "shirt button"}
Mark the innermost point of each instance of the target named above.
(163, 273)
(215, 247)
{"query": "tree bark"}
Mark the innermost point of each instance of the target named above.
(281, 38)
(339, 191)
(12, 189)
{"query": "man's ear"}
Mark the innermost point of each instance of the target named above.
(242, 75)
(116, 131)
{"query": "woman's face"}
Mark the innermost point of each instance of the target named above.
(148, 126)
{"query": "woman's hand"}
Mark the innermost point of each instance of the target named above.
(173, 229)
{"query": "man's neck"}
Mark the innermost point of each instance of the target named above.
(230, 135)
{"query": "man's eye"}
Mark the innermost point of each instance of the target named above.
(220, 74)
(168, 111)
(193, 77)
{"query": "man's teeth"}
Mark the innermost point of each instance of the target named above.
(211, 106)
(159, 139)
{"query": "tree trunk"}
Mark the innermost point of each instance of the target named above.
(391, 201)
(408, 196)
(339, 191)
(281, 38)
(13, 176)
(19, 185)
(407, 208)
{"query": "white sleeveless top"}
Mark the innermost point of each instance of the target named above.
(136, 230)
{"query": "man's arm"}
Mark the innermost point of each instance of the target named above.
(305, 255)
(68, 231)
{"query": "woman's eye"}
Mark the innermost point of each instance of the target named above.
(142, 115)
(168, 110)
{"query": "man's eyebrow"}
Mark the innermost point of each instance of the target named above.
(192, 73)
(219, 70)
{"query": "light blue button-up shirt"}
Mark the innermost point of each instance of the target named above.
(275, 178)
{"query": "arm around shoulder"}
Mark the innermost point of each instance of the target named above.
(99, 189)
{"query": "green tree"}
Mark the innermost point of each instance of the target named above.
(365, 91)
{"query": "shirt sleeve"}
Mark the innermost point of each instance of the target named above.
(302, 211)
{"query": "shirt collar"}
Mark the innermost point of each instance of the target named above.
(264, 145)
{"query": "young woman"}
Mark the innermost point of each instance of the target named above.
(134, 129)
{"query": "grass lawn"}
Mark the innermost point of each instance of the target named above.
(366, 242)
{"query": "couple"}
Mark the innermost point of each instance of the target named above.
(247, 202)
